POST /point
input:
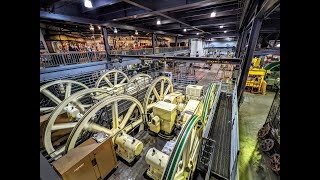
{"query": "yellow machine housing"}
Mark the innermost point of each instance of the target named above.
(189, 110)
(167, 114)
(128, 146)
(256, 76)
(157, 161)
(194, 92)
(154, 124)
(174, 98)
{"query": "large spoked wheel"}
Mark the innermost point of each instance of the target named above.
(159, 88)
(183, 159)
(55, 92)
(140, 77)
(111, 78)
(65, 117)
(116, 123)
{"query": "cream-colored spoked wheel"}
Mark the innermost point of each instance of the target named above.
(141, 77)
(159, 88)
(111, 78)
(57, 91)
(65, 117)
(88, 121)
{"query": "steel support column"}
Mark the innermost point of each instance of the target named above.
(106, 46)
(176, 40)
(240, 41)
(253, 38)
(153, 42)
(46, 170)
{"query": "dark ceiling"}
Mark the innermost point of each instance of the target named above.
(142, 15)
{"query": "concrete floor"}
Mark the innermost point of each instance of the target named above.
(253, 112)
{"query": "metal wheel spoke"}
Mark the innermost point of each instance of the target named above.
(68, 90)
(167, 90)
(128, 115)
(108, 82)
(44, 109)
(156, 93)
(115, 115)
(51, 96)
(60, 151)
(93, 127)
(122, 81)
(63, 126)
(115, 78)
(162, 88)
(79, 105)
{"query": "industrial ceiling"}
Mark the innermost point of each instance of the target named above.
(184, 18)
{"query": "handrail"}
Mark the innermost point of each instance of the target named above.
(75, 57)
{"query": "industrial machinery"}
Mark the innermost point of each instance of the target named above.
(269, 135)
(273, 79)
(67, 114)
(256, 78)
(113, 108)
(182, 161)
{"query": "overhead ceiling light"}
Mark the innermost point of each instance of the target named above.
(136, 32)
(197, 33)
(115, 30)
(278, 45)
(87, 4)
(184, 30)
(99, 27)
(158, 22)
(91, 27)
(220, 26)
(213, 14)
(224, 31)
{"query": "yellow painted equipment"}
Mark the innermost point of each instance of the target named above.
(256, 77)
(194, 92)
(157, 161)
(174, 98)
(154, 124)
(128, 146)
(167, 114)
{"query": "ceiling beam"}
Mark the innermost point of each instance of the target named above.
(219, 14)
(215, 21)
(161, 14)
(205, 11)
(267, 8)
(47, 15)
(61, 17)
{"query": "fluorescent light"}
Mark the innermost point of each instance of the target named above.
(87, 4)
(213, 14)
(158, 22)
(115, 30)
(184, 30)
(278, 45)
(197, 33)
(136, 33)
(99, 27)
(220, 26)
(224, 31)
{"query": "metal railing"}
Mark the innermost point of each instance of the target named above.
(148, 51)
(61, 59)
